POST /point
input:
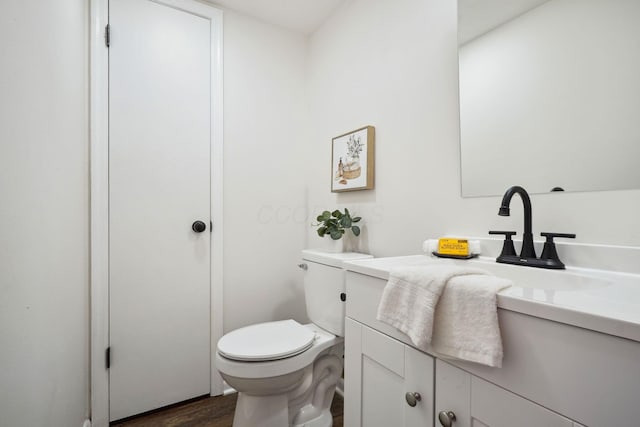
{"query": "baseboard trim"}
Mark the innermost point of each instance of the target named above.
(227, 389)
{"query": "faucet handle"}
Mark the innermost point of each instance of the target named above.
(507, 234)
(550, 236)
(507, 245)
(549, 253)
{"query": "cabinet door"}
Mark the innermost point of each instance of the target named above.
(418, 378)
(379, 372)
(453, 394)
(478, 403)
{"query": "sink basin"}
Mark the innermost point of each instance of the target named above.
(568, 280)
(536, 278)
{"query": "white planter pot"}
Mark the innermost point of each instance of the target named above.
(348, 243)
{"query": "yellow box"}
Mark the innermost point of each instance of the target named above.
(447, 246)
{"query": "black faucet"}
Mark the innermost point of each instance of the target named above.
(528, 251)
(549, 258)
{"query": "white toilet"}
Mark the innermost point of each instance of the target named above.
(286, 373)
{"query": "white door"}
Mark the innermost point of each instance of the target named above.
(159, 185)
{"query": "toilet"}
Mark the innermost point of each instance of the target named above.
(285, 372)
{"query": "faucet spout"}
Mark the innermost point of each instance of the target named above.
(528, 251)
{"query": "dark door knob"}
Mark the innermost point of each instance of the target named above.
(198, 226)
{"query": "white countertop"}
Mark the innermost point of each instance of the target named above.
(598, 300)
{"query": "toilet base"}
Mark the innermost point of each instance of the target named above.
(324, 420)
(263, 411)
(272, 411)
(307, 405)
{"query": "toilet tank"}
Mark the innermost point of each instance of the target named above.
(324, 284)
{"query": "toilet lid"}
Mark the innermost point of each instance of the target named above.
(266, 341)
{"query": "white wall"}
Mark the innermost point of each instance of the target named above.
(44, 227)
(265, 146)
(393, 64)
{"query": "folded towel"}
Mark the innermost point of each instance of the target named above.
(409, 299)
(466, 320)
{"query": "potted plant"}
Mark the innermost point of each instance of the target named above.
(335, 224)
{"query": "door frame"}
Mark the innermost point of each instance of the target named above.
(98, 401)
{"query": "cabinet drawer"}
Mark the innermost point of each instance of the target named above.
(478, 403)
(363, 297)
(497, 407)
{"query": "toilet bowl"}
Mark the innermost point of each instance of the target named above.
(274, 392)
(285, 372)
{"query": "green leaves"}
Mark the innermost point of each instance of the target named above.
(336, 234)
(336, 223)
(324, 216)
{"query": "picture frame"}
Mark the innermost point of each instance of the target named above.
(352, 160)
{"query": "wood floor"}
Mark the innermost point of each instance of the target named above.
(204, 412)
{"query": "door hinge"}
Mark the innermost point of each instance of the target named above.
(107, 35)
(107, 357)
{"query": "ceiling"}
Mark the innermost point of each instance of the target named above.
(302, 16)
(476, 17)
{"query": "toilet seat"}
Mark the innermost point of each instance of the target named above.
(266, 341)
(273, 368)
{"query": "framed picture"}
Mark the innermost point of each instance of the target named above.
(352, 156)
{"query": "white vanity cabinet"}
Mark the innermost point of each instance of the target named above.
(553, 374)
(387, 383)
(383, 376)
(477, 403)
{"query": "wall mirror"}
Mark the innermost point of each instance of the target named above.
(549, 95)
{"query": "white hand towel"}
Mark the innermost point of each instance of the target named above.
(409, 299)
(466, 320)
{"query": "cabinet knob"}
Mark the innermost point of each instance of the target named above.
(303, 266)
(446, 418)
(413, 398)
